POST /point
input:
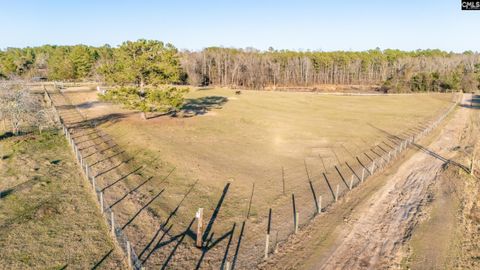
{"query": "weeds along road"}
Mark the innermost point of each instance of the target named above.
(380, 225)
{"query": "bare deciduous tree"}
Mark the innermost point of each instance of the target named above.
(21, 108)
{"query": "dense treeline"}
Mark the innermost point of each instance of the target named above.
(153, 62)
(393, 69)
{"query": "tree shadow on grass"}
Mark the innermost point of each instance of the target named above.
(200, 106)
(5, 193)
(194, 107)
(83, 105)
(93, 122)
(6, 135)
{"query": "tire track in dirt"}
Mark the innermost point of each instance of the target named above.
(386, 222)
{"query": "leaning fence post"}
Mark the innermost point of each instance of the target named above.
(199, 217)
(351, 183)
(336, 192)
(86, 171)
(267, 238)
(363, 174)
(129, 255)
(373, 167)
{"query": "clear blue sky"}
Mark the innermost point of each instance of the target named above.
(295, 24)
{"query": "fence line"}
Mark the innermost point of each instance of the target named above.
(376, 164)
(122, 240)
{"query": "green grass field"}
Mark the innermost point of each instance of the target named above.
(48, 216)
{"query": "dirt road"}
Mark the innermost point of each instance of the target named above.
(390, 215)
(380, 225)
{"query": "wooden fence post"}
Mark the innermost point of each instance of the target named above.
(295, 214)
(297, 217)
(363, 174)
(112, 222)
(267, 238)
(319, 204)
(129, 255)
(199, 217)
(373, 167)
(76, 152)
(351, 183)
(336, 192)
(101, 201)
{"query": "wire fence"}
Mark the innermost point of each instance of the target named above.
(306, 200)
(116, 232)
(314, 193)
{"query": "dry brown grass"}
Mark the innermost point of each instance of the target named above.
(48, 216)
(245, 140)
(250, 137)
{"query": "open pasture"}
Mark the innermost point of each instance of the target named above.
(231, 154)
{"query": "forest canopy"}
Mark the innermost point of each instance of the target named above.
(151, 62)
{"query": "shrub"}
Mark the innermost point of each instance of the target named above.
(159, 99)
